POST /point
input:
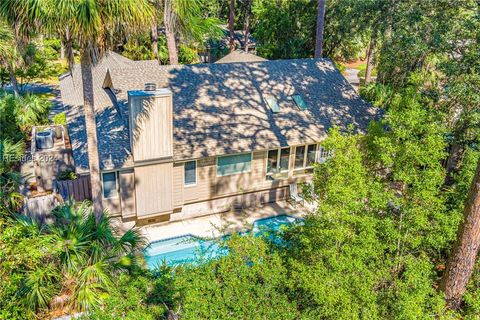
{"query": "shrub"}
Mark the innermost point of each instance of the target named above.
(67, 175)
(60, 118)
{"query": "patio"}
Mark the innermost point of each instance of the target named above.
(217, 224)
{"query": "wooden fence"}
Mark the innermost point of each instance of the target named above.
(78, 189)
(40, 207)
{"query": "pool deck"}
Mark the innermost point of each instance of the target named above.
(215, 225)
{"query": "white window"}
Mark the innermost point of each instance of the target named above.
(277, 163)
(110, 187)
(234, 164)
(190, 173)
(305, 157)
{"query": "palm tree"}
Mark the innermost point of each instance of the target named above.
(31, 110)
(154, 29)
(231, 27)
(90, 254)
(8, 54)
(183, 19)
(169, 15)
(25, 18)
(91, 24)
(320, 27)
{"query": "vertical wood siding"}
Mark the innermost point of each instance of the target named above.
(127, 194)
(178, 184)
(152, 135)
(153, 189)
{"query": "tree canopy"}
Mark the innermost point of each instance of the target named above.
(390, 202)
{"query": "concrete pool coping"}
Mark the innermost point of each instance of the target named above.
(218, 224)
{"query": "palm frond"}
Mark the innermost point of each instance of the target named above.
(38, 287)
(93, 281)
(10, 153)
(7, 42)
(32, 110)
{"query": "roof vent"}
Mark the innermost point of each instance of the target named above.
(150, 86)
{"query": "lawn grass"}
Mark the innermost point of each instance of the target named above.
(363, 68)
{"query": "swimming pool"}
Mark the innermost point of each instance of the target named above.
(190, 249)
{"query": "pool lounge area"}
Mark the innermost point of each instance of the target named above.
(188, 249)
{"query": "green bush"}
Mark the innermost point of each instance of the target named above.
(133, 299)
(248, 283)
(60, 118)
(67, 175)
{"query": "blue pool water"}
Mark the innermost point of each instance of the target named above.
(188, 248)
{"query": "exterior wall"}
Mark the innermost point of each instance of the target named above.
(178, 185)
(226, 203)
(160, 194)
(127, 193)
(151, 132)
(153, 189)
(112, 206)
(210, 186)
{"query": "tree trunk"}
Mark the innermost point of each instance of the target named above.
(368, 71)
(91, 130)
(462, 260)
(320, 27)
(169, 33)
(155, 41)
(247, 26)
(41, 45)
(13, 80)
(231, 25)
(454, 158)
(69, 55)
(62, 50)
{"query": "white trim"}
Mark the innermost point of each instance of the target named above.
(278, 171)
(232, 154)
(304, 157)
(196, 175)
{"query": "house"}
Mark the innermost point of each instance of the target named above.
(240, 56)
(215, 49)
(185, 140)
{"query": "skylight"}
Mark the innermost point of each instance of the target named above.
(272, 104)
(301, 104)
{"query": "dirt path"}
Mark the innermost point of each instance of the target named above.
(355, 64)
(352, 77)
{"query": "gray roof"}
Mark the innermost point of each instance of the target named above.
(218, 108)
(240, 56)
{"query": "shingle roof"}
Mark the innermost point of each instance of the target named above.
(219, 108)
(240, 56)
(110, 126)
